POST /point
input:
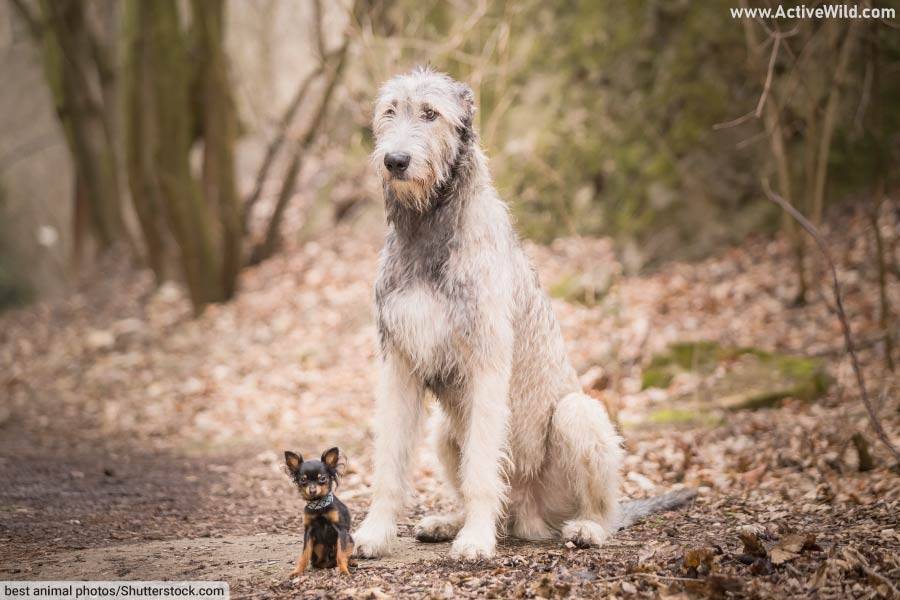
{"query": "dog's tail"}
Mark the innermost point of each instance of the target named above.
(633, 511)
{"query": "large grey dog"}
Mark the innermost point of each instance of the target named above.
(462, 316)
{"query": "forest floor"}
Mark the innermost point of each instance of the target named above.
(137, 442)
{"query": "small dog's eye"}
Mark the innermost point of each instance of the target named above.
(389, 112)
(303, 479)
(429, 114)
(322, 479)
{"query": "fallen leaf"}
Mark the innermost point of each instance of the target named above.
(695, 557)
(752, 544)
(781, 556)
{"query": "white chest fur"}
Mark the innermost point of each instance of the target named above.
(417, 322)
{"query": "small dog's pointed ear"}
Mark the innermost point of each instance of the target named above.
(330, 457)
(293, 461)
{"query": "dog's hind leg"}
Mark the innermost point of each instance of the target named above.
(588, 454)
(527, 521)
(443, 528)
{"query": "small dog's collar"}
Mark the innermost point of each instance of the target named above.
(321, 503)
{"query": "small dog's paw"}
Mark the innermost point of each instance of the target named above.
(470, 544)
(372, 540)
(584, 533)
(437, 528)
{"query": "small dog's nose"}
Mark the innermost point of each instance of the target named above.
(396, 162)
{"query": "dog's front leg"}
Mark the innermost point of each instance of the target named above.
(483, 484)
(398, 419)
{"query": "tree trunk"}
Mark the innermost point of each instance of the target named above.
(141, 142)
(188, 216)
(219, 129)
(74, 80)
(829, 122)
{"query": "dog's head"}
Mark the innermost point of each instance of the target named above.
(422, 123)
(314, 478)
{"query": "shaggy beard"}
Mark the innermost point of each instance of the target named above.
(414, 194)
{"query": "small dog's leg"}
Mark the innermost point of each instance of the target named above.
(303, 559)
(344, 550)
(398, 420)
(482, 482)
(591, 458)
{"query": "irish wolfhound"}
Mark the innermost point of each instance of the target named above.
(461, 316)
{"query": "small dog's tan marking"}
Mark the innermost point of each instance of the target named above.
(344, 550)
(320, 555)
(302, 560)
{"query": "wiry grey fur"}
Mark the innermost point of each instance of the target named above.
(462, 317)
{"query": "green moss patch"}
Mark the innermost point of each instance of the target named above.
(574, 288)
(739, 378)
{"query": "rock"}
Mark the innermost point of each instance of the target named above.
(739, 378)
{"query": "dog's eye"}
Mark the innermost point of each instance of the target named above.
(322, 479)
(303, 479)
(429, 114)
(389, 112)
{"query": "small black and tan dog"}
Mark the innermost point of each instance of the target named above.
(326, 521)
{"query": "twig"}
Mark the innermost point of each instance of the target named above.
(270, 242)
(770, 72)
(863, 345)
(276, 144)
(873, 574)
(842, 316)
(318, 32)
(862, 451)
(34, 24)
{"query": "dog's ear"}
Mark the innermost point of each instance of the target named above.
(466, 99)
(293, 461)
(330, 457)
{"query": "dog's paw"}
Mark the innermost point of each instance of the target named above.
(471, 544)
(372, 540)
(438, 528)
(584, 533)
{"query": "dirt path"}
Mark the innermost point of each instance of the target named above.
(244, 561)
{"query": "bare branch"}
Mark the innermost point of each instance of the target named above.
(842, 316)
(276, 144)
(318, 30)
(35, 27)
(769, 74)
(270, 243)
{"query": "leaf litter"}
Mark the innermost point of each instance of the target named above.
(175, 424)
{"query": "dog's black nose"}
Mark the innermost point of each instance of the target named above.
(396, 162)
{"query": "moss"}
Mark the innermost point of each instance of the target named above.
(753, 379)
(571, 288)
(656, 377)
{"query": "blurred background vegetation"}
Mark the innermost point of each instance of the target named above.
(197, 137)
